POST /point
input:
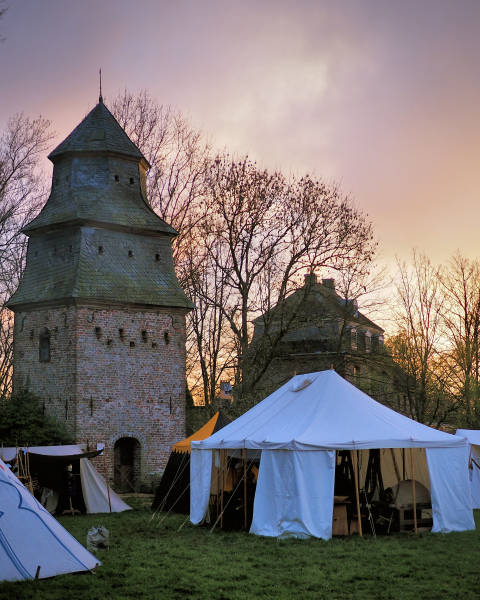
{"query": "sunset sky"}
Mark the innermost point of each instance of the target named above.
(382, 96)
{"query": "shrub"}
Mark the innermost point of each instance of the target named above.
(23, 422)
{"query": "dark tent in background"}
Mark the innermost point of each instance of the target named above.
(63, 479)
(173, 491)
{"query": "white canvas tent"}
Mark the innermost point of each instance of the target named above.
(298, 428)
(96, 496)
(473, 437)
(32, 543)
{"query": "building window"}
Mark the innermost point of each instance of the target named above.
(44, 346)
(361, 341)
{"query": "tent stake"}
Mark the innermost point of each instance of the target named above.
(222, 484)
(357, 492)
(244, 456)
(106, 477)
(414, 492)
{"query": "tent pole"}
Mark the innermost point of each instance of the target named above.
(222, 484)
(244, 456)
(414, 492)
(403, 460)
(106, 477)
(357, 492)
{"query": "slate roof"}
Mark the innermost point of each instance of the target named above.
(86, 275)
(97, 202)
(100, 206)
(323, 300)
(99, 131)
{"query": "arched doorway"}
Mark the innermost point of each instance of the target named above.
(126, 472)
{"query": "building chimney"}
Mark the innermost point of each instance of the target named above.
(310, 279)
(329, 283)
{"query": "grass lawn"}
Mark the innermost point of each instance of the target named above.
(161, 559)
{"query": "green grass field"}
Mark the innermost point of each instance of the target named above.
(167, 559)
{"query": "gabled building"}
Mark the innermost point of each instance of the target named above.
(99, 314)
(315, 329)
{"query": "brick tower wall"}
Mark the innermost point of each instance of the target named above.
(113, 373)
(131, 381)
(53, 381)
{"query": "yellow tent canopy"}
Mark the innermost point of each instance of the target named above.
(204, 432)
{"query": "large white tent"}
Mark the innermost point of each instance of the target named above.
(298, 428)
(97, 497)
(32, 543)
(473, 437)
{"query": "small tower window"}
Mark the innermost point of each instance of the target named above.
(100, 249)
(121, 334)
(98, 332)
(132, 344)
(130, 253)
(166, 337)
(117, 178)
(132, 181)
(144, 336)
(44, 346)
(157, 257)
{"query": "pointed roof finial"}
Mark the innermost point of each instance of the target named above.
(100, 97)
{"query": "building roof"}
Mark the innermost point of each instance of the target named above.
(316, 298)
(97, 238)
(97, 198)
(99, 131)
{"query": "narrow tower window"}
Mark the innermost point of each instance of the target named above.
(100, 249)
(117, 178)
(130, 253)
(132, 181)
(157, 257)
(44, 345)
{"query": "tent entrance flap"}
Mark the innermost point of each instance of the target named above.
(294, 496)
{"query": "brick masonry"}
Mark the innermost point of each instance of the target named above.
(113, 373)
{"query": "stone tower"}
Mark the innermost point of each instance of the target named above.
(99, 314)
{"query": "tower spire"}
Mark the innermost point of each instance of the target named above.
(100, 97)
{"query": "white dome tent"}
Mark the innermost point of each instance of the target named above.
(298, 430)
(32, 543)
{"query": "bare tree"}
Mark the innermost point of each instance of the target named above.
(417, 345)
(461, 325)
(178, 156)
(3, 10)
(22, 193)
(265, 233)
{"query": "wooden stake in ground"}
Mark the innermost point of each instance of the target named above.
(414, 492)
(222, 484)
(244, 456)
(357, 491)
(106, 477)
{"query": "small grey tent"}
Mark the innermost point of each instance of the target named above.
(32, 543)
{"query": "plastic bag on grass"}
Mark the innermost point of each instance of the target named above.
(97, 538)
